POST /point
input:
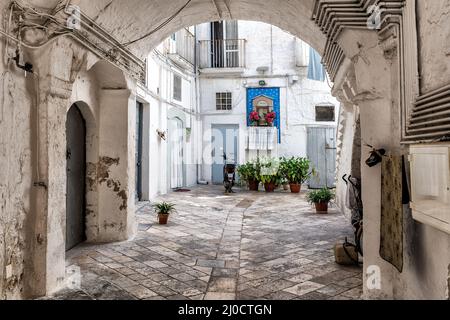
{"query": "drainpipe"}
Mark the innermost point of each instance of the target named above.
(197, 109)
(419, 46)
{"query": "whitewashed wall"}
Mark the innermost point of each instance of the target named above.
(158, 103)
(278, 50)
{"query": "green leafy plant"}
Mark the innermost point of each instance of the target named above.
(320, 196)
(249, 171)
(296, 170)
(270, 171)
(164, 208)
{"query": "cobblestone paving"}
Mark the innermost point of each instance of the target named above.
(247, 246)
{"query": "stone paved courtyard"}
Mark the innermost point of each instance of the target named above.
(246, 246)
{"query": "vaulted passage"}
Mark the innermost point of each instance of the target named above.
(76, 174)
(66, 63)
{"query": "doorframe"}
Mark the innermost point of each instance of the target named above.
(324, 127)
(85, 180)
(140, 150)
(238, 153)
(172, 114)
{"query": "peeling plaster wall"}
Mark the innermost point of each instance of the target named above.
(85, 95)
(344, 163)
(16, 114)
(434, 40)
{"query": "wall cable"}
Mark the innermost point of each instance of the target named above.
(162, 25)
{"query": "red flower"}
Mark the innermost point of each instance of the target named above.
(254, 116)
(270, 117)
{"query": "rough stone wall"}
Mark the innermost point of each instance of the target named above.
(16, 113)
(434, 41)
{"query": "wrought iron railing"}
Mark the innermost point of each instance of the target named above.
(183, 46)
(222, 53)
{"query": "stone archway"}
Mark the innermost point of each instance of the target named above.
(371, 64)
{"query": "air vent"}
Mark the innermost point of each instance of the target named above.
(430, 118)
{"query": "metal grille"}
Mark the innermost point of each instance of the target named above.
(224, 101)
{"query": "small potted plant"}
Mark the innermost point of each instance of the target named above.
(297, 171)
(249, 172)
(270, 174)
(163, 210)
(321, 199)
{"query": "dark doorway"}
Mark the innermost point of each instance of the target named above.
(139, 137)
(76, 178)
(225, 141)
(217, 42)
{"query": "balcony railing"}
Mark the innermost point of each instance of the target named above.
(182, 46)
(222, 53)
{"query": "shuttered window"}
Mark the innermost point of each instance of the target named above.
(325, 113)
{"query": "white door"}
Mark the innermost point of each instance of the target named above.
(176, 153)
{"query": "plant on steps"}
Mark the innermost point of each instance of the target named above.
(321, 199)
(163, 210)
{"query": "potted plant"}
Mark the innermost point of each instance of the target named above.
(270, 174)
(321, 199)
(249, 172)
(163, 210)
(296, 170)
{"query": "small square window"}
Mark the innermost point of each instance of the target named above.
(224, 101)
(325, 113)
(177, 85)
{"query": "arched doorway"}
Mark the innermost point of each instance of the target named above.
(76, 178)
(176, 153)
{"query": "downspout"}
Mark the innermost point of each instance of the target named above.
(419, 46)
(199, 142)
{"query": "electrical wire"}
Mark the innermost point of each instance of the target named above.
(162, 25)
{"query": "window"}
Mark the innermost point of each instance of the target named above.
(177, 84)
(430, 185)
(325, 113)
(224, 101)
(225, 44)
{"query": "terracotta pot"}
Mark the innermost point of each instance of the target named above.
(295, 188)
(322, 207)
(270, 187)
(163, 218)
(285, 187)
(253, 185)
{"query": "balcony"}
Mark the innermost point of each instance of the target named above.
(180, 48)
(222, 56)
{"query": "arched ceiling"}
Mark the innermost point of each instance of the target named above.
(130, 19)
